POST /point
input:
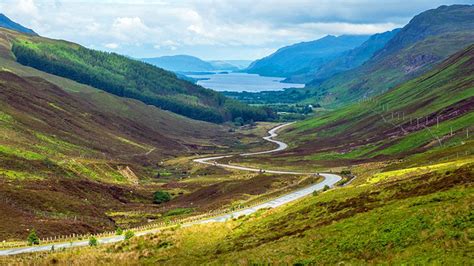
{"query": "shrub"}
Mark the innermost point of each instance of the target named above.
(118, 231)
(161, 196)
(33, 238)
(93, 241)
(129, 234)
(326, 187)
(345, 172)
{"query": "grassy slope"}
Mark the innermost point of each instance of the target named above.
(63, 146)
(367, 130)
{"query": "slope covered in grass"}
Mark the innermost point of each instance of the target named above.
(433, 111)
(70, 153)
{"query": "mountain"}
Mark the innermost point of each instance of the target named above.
(7, 23)
(348, 60)
(301, 57)
(180, 63)
(431, 112)
(129, 78)
(187, 63)
(426, 40)
(230, 64)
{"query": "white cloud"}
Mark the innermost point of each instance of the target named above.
(27, 7)
(111, 45)
(214, 29)
(348, 28)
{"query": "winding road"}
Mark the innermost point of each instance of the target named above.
(329, 180)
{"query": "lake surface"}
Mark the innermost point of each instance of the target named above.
(243, 82)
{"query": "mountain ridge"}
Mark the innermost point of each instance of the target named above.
(297, 58)
(7, 23)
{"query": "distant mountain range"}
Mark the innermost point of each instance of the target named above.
(347, 60)
(7, 23)
(380, 63)
(303, 57)
(187, 63)
(426, 40)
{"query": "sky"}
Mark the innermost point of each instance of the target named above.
(209, 29)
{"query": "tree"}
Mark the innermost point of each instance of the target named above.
(118, 231)
(93, 241)
(161, 196)
(129, 234)
(33, 238)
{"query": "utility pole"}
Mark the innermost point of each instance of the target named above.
(467, 133)
(451, 131)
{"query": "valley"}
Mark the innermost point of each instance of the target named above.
(347, 142)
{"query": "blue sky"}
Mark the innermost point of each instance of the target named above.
(210, 29)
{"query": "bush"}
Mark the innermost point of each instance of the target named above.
(129, 234)
(93, 241)
(326, 187)
(33, 238)
(118, 231)
(345, 172)
(161, 196)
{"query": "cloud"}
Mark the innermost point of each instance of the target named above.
(27, 7)
(111, 45)
(344, 28)
(213, 29)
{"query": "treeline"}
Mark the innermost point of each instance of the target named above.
(287, 96)
(130, 78)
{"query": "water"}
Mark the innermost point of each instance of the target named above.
(243, 82)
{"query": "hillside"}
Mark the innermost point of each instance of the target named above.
(430, 113)
(426, 40)
(7, 23)
(301, 57)
(64, 144)
(180, 63)
(348, 60)
(129, 78)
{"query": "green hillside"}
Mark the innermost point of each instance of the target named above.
(64, 145)
(430, 113)
(130, 78)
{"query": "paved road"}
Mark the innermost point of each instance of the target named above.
(329, 180)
